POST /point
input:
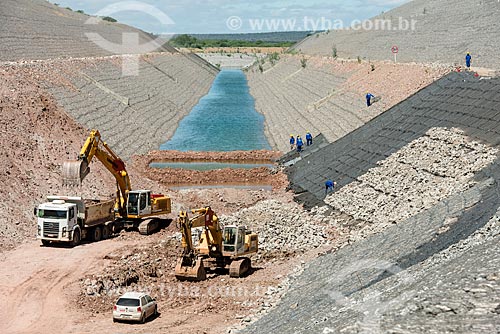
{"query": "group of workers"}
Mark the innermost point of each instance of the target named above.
(299, 143)
(329, 184)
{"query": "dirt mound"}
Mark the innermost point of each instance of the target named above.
(281, 227)
(150, 267)
(37, 136)
(263, 176)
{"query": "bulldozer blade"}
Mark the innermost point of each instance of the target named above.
(190, 273)
(73, 172)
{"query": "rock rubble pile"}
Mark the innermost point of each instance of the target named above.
(415, 178)
(282, 227)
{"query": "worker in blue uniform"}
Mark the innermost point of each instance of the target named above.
(292, 142)
(369, 99)
(309, 139)
(468, 60)
(329, 185)
(300, 143)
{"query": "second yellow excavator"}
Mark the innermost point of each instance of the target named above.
(132, 206)
(217, 248)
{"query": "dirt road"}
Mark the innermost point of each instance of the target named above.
(35, 282)
(41, 287)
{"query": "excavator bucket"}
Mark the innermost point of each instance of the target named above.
(184, 272)
(73, 172)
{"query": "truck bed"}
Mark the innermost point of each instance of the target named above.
(98, 211)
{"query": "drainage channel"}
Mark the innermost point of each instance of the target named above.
(223, 120)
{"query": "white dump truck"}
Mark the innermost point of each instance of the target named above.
(71, 219)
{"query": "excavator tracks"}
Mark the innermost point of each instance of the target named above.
(148, 226)
(239, 267)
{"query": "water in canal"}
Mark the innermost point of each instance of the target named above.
(223, 120)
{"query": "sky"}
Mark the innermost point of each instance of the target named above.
(233, 16)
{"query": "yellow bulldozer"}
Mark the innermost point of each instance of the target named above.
(217, 248)
(132, 207)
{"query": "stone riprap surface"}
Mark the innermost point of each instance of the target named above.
(433, 263)
(459, 100)
(135, 114)
(444, 32)
(424, 275)
(37, 29)
(231, 60)
(328, 96)
(282, 227)
(441, 163)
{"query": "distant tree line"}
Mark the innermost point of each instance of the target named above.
(187, 41)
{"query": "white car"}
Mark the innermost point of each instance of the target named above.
(134, 306)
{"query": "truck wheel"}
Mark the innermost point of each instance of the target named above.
(106, 232)
(96, 234)
(45, 242)
(76, 238)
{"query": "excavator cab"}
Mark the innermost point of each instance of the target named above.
(139, 203)
(238, 241)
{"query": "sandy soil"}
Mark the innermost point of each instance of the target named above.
(42, 285)
(227, 176)
(37, 136)
(46, 291)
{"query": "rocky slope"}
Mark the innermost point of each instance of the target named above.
(327, 96)
(417, 204)
(37, 29)
(444, 32)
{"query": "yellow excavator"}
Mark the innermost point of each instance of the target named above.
(131, 206)
(217, 248)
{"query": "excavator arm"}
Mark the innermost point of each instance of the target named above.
(212, 240)
(75, 171)
(190, 265)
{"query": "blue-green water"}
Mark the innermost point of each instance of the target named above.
(224, 120)
(204, 166)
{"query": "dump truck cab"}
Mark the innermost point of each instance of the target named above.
(56, 220)
(71, 219)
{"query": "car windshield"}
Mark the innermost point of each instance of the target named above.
(127, 302)
(52, 214)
